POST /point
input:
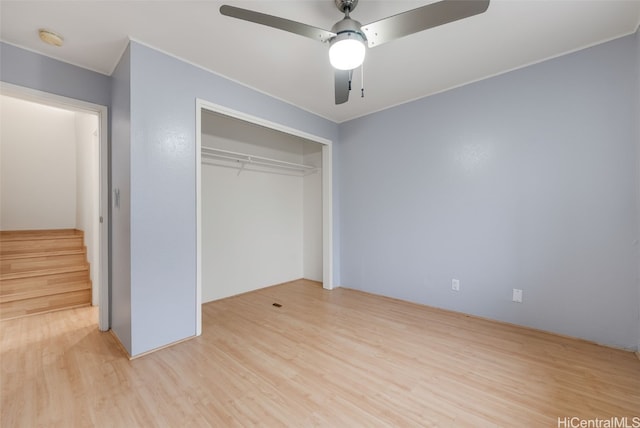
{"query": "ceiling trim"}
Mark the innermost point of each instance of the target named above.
(53, 57)
(529, 64)
(201, 67)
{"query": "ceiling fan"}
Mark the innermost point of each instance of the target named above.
(348, 37)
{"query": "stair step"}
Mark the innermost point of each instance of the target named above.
(44, 253)
(38, 245)
(19, 308)
(25, 241)
(19, 288)
(20, 235)
(42, 272)
(37, 264)
(50, 291)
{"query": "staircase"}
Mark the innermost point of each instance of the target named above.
(42, 271)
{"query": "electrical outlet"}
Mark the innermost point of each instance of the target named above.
(517, 295)
(455, 284)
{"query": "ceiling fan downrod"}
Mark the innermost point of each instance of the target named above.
(346, 6)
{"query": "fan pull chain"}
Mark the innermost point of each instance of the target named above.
(362, 80)
(350, 77)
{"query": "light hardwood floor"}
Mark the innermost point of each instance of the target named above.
(337, 358)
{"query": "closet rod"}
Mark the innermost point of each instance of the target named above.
(251, 159)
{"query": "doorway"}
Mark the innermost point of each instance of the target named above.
(92, 184)
(317, 150)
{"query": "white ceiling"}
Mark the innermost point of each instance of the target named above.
(511, 34)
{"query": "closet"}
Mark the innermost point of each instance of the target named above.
(261, 207)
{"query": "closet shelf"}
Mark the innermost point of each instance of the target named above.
(242, 160)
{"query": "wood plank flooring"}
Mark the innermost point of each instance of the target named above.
(337, 358)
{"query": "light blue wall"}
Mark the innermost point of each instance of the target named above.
(163, 174)
(121, 215)
(526, 180)
(153, 166)
(30, 70)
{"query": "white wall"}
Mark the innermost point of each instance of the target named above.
(312, 214)
(87, 194)
(251, 231)
(50, 172)
(37, 166)
(253, 222)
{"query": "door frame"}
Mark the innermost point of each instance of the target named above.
(72, 104)
(327, 192)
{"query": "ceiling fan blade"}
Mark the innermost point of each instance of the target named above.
(342, 86)
(422, 18)
(276, 22)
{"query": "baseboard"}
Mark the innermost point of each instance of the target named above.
(119, 343)
(130, 357)
(525, 327)
(168, 345)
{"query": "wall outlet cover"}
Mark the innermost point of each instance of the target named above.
(517, 295)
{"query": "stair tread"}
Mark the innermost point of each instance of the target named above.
(45, 271)
(31, 235)
(36, 264)
(42, 253)
(20, 246)
(25, 313)
(44, 304)
(46, 291)
(45, 282)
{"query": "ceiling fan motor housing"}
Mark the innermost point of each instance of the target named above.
(348, 25)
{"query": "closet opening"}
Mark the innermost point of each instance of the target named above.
(263, 196)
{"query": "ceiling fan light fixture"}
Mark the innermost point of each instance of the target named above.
(347, 51)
